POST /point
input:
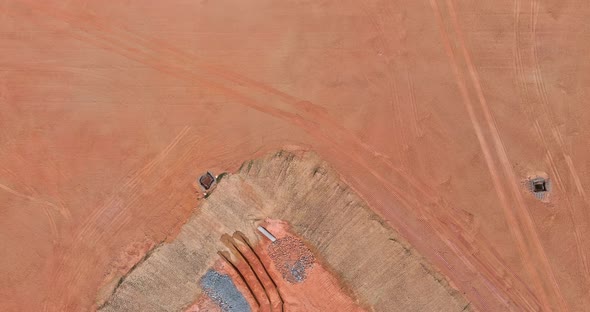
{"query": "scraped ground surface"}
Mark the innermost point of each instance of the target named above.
(371, 260)
(434, 111)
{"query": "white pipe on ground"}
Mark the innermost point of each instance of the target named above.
(266, 233)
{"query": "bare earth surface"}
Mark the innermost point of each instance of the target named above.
(370, 258)
(435, 112)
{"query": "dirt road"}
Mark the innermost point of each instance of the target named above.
(434, 111)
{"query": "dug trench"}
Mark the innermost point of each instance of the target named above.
(331, 251)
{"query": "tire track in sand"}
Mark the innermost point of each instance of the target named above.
(43, 203)
(90, 232)
(312, 127)
(154, 51)
(543, 94)
(521, 235)
(512, 222)
(442, 223)
(394, 100)
(123, 48)
(412, 100)
(546, 108)
(132, 183)
(154, 57)
(502, 154)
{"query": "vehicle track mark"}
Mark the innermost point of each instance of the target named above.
(502, 155)
(546, 109)
(309, 125)
(511, 219)
(412, 92)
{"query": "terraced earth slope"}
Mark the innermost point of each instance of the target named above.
(360, 261)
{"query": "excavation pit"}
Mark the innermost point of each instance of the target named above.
(540, 187)
(207, 181)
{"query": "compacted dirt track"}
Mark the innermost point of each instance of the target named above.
(436, 112)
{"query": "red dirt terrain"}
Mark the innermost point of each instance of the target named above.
(437, 112)
(264, 283)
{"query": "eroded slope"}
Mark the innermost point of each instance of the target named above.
(373, 263)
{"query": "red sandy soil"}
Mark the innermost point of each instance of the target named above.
(318, 291)
(433, 111)
(204, 304)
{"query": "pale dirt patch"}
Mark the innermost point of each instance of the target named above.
(357, 255)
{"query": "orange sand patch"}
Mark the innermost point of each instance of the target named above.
(319, 291)
(433, 111)
(204, 304)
